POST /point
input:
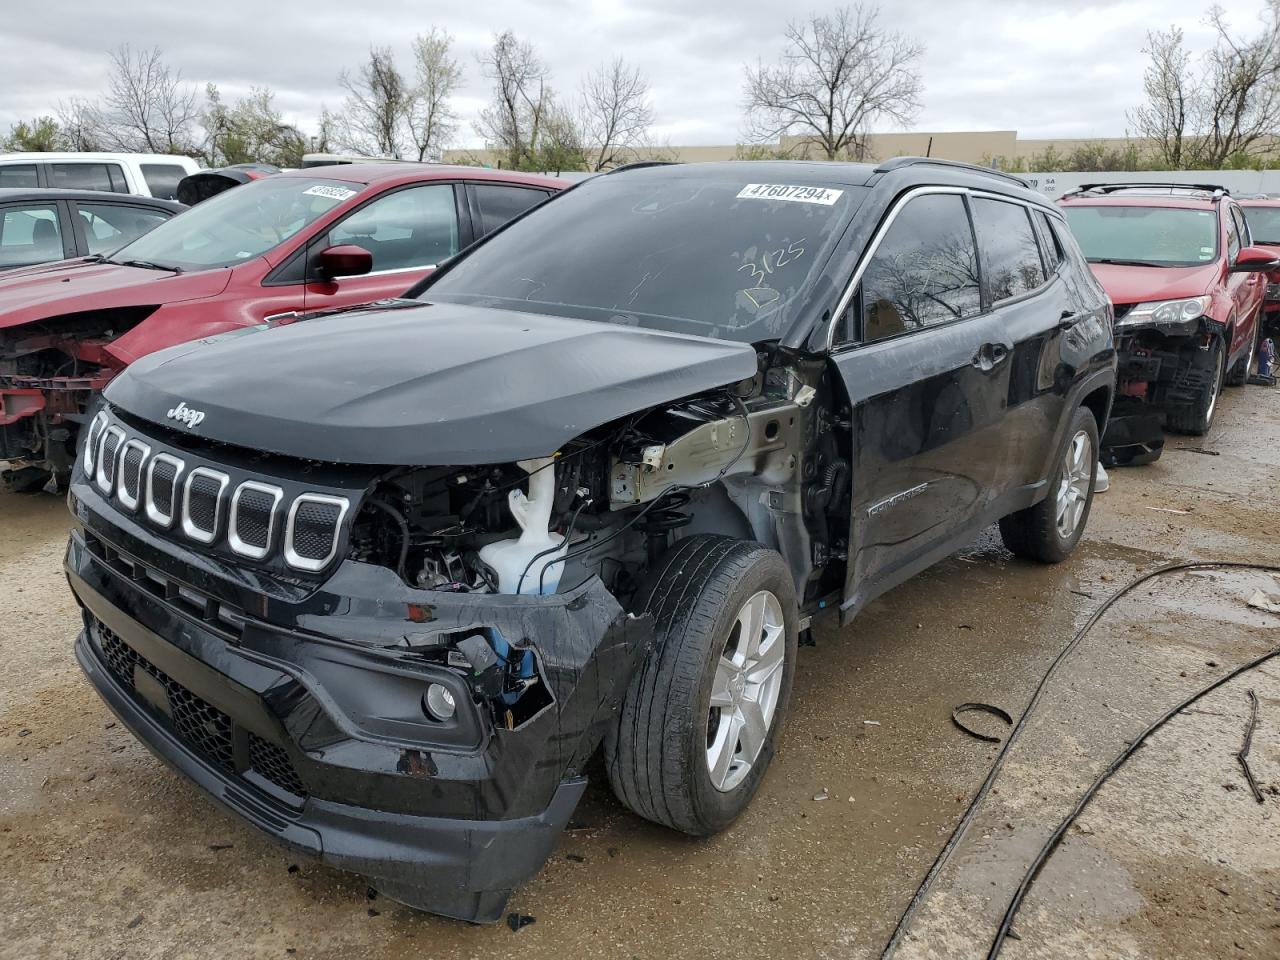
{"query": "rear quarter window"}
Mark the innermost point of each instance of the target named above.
(1011, 264)
(162, 179)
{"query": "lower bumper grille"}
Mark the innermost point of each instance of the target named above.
(199, 724)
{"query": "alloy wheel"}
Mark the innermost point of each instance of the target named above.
(744, 692)
(1074, 483)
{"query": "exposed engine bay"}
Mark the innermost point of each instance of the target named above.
(759, 459)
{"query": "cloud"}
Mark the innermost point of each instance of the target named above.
(1048, 68)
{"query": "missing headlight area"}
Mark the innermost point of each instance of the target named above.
(750, 460)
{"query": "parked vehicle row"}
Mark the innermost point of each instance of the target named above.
(261, 253)
(1189, 289)
(383, 580)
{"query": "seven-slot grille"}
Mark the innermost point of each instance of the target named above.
(201, 502)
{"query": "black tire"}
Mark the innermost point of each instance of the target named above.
(656, 754)
(1196, 417)
(1238, 375)
(1033, 533)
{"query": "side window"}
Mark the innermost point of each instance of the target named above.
(87, 176)
(30, 234)
(1010, 257)
(1242, 225)
(1233, 237)
(925, 271)
(18, 175)
(498, 204)
(162, 179)
(109, 226)
(417, 227)
(1053, 252)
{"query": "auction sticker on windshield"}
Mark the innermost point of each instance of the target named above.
(333, 193)
(789, 192)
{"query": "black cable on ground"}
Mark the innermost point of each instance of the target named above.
(944, 854)
(1243, 755)
(1056, 837)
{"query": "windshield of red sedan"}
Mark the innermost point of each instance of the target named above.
(238, 225)
(718, 257)
(1144, 236)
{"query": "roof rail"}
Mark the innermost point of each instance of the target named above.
(640, 165)
(898, 162)
(1102, 189)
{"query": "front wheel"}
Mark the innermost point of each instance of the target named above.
(1239, 373)
(1196, 417)
(699, 721)
(1050, 530)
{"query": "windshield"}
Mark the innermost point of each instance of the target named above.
(243, 223)
(1146, 236)
(1264, 224)
(719, 257)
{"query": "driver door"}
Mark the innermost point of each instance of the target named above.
(408, 231)
(926, 372)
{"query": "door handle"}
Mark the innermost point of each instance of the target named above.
(989, 356)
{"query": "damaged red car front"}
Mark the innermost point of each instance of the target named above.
(267, 251)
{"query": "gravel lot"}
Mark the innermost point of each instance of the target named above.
(106, 854)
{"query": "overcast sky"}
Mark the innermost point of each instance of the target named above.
(1042, 67)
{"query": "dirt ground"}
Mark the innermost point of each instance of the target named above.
(104, 853)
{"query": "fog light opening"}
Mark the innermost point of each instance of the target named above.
(438, 702)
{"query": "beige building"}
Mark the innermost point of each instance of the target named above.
(970, 146)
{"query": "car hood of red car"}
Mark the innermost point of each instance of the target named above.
(36, 293)
(1125, 284)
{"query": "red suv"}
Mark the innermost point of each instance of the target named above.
(1263, 216)
(1188, 286)
(267, 251)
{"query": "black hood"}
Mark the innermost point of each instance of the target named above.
(427, 385)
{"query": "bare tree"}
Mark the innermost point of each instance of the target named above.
(1223, 109)
(616, 113)
(839, 74)
(372, 116)
(513, 122)
(80, 123)
(430, 118)
(146, 106)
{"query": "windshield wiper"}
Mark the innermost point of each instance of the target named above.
(148, 265)
(1128, 263)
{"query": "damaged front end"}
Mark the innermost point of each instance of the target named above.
(1164, 361)
(50, 372)
(431, 740)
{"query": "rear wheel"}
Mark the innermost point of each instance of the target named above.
(1239, 374)
(1196, 417)
(699, 721)
(1050, 530)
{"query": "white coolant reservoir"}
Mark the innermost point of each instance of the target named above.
(514, 559)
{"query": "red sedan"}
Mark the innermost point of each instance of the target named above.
(267, 251)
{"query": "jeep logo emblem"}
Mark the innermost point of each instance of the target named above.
(184, 414)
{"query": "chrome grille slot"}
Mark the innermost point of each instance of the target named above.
(92, 435)
(108, 449)
(253, 518)
(311, 534)
(162, 488)
(133, 456)
(202, 503)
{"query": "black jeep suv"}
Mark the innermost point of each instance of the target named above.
(384, 580)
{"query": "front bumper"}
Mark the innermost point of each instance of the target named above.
(303, 736)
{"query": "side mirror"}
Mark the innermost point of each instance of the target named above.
(1255, 260)
(344, 260)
